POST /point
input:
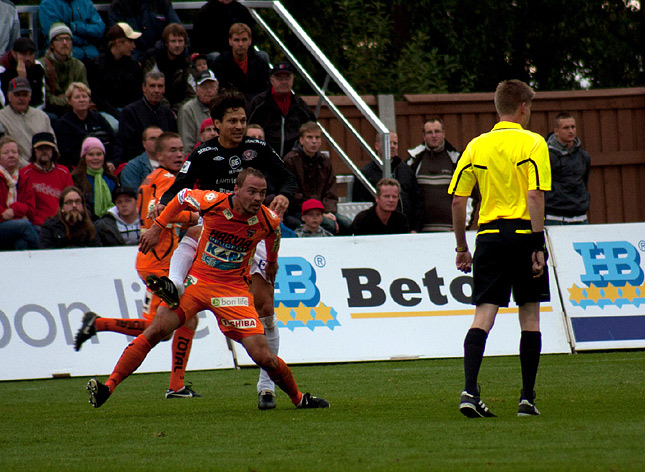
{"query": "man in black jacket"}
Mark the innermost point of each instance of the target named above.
(21, 62)
(280, 111)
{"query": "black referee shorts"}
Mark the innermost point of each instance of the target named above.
(502, 262)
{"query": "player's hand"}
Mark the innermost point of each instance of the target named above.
(279, 204)
(271, 272)
(150, 238)
(539, 263)
(156, 211)
(464, 261)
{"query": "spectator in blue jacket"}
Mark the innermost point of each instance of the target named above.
(138, 168)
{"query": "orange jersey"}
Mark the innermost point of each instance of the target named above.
(228, 240)
(150, 191)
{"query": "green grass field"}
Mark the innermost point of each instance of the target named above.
(383, 416)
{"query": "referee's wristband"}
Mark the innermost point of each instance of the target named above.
(461, 249)
(538, 242)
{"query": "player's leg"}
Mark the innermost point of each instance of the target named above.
(530, 349)
(264, 305)
(165, 322)
(258, 349)
(181, 344)
(93, 323)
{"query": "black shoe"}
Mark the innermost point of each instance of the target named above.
(164, 288)
(473, 407)
(185, 392)
(312, 402)
(527, 406)
(266, 400)
(99, 393)
(86, 331)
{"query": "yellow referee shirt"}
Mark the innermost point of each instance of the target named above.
(506, 162)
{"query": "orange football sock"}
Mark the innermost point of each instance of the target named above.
(130, 360)
(181, 344)
(131, 327)
(283, 378)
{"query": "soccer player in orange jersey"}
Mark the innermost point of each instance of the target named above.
(169, 153)
(218, 281)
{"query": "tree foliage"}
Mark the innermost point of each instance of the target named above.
(435, 46)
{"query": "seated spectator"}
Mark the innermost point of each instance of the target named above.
(21, 62)
(121, 225)
(115, 78)
(145, 112)
(72, 226)
(383, 217)
(312, 216)
(200, 64)
(9, 26)
(198, 109)
(172, 60)
(255, 131)
(149, 17)
(46, 176)
(94, 178)
(207, 131)
(280, 111)
(21, 121)
(17, 201)
(316, 179)
(138, 168)
(61, 69)
(212, 23)
(411, 201)
(84, 21)
(239, 67)
(80, 122)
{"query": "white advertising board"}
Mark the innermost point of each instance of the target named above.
(600, 276)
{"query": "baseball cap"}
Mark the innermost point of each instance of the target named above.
(58, 29)
(283, 66)
(44, 138)
(312, 204)
(197, 55)
(19, 84)
(123, 190)
(122, 30)
(205, 124)
(23, 45)
(205, 75)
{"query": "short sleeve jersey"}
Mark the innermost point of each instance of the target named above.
(228, 240)
(506, 162)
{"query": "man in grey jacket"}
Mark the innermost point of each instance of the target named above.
(568, 201)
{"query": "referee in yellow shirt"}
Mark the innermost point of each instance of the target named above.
(511, 166)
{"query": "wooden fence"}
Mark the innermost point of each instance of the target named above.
(610, 124)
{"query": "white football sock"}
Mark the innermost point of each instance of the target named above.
(181, 261)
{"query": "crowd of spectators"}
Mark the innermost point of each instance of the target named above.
(81, 122)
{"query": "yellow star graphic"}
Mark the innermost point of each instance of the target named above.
(575, 294)
(629, 292)
(611, 292)
(283, 313)
(593, 293)
(323, 313)
(303, 313)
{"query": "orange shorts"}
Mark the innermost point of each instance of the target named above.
(232, 305)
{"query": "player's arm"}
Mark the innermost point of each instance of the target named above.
(536, 212)
(285, 182)
(464, 259)
(273, 246)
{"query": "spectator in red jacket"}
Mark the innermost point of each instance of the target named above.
(16, 201)
(46, 176)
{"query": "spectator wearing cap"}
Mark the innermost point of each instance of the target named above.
(121, 224)
(149, 17)
(20, 120)
(78, 123)
(61, 69)
(280, 111)
(171, 58)
(312, 216)
(46, 176)
(138, 168)
(21, 62)
(9, 26)
(147, 111)
(84, 22)
(383, 217)
(207, 131)
(17, 201)
(114, 76)
(94, 178)
(193, 113)
(239, 67)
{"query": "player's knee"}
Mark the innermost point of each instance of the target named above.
(270, 321)
(192, 323)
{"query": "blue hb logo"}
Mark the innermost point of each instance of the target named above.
(297, 299)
